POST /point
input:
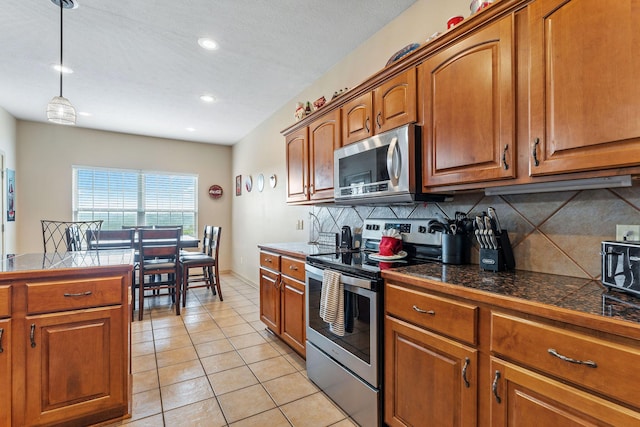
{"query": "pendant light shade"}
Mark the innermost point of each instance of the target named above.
(60, 109)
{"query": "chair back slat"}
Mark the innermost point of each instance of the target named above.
(114, 239)
(159, 242)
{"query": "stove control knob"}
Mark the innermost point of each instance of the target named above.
(422, 229)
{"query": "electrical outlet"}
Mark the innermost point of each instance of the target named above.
(627, 232)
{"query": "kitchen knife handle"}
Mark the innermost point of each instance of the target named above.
(587, 363)
(534, 152)
(505, 165)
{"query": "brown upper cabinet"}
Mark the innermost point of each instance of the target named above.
(390, 105)
(469, 109)
(310, 159)
(585, 95)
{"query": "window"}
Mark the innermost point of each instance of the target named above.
(129, 197)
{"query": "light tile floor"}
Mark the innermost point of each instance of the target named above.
(216, 365)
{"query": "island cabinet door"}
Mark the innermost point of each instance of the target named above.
(5, 372)
(75, 367)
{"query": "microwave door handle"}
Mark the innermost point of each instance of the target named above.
(393, 168)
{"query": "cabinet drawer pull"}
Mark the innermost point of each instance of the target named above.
(467, 362)
(32, 335)
(534, 152)
(1, 333)
(587, 363)
(267, 260)
(80, 294)
(419, 310)
(494, 387)
(293, 267)
(504, 157)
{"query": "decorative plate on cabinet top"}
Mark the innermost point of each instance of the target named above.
(248, 183)
(402, 52)
(260, 183)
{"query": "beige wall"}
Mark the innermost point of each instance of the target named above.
(47, 152)
(8, 151)
(264, 217)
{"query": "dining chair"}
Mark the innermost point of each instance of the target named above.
(159, 257)
(207, 260)
(66, 236)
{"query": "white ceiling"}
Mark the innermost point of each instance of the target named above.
(138, 68)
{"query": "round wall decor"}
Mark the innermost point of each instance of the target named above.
(260, 182)
(215, 191)
(248, 183)
(273, 180)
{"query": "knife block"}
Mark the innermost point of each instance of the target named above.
(500, 259)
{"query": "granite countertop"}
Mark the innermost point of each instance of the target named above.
(572, 293)
(294, 249)
(64, 260)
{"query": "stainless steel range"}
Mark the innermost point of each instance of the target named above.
(348, 367)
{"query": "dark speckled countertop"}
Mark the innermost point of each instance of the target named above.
(572, 293)
(294, 249)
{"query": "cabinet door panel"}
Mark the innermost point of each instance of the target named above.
(584, 85)
(424, 377)
(270, 299)
(74, 362)
(395, 102)
(524, 398)
(356, 119)
(324, 138)
(293, 314)
(297, 166)
(5, 372)
(470, 109)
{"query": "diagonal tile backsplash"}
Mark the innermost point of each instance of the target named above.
(557, 233)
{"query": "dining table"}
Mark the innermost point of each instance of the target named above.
(185, 242)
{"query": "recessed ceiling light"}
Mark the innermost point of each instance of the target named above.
(191, 129)
(207, 43)
(207, 98)
(62, 69)
(85, 114)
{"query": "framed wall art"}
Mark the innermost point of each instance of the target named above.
(11, 189)
(239, 185)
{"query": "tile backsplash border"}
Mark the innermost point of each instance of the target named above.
(556, 233)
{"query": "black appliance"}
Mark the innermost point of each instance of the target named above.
(621, 265)
(348, 368)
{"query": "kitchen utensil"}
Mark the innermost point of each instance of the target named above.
(346, 240)
(480, 224)
(494, 217)
(490, 233)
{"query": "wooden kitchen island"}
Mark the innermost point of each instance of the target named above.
(65, 338)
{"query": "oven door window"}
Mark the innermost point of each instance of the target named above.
(358, 318)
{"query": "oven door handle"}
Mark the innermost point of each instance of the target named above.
(344, 279)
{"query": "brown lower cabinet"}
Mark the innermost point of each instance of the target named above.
(282, 293)
(65, 350)
(458, 358)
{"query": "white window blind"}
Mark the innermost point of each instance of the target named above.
(129, 197)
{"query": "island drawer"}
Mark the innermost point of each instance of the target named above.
(5, 301)
(585, 360)
(448, 317)
(292, 268)
(269, 260)
(46, 297)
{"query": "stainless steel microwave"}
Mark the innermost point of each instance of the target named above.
(382, 169)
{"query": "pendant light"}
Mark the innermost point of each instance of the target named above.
(60, 109)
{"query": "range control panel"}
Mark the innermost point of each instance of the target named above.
(412, 230)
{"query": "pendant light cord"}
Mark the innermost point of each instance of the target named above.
(61, 48)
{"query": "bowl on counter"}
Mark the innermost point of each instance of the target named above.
(477, 5)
